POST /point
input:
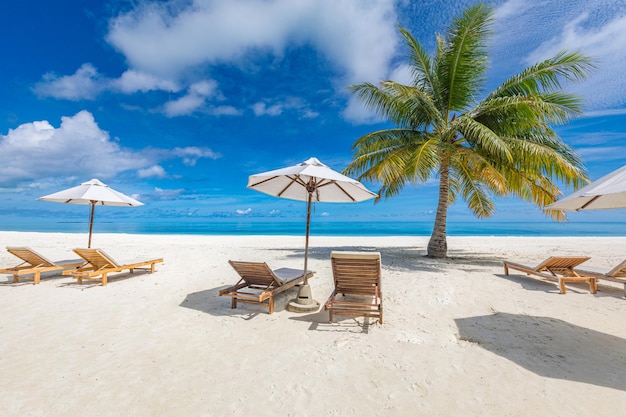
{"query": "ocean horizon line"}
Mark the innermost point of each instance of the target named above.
(329, 228)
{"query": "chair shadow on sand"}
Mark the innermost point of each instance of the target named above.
(319, 322)
(550, 347)
(208, 301)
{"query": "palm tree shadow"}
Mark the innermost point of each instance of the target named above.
(550, 347)
(406, 258)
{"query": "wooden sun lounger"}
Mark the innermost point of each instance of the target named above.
(97, 265)
(264, 282)
(557, 268)
(357, 277)
(35, 263)
(617, 274)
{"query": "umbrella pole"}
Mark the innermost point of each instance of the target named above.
(305, 303)
(306, 242)
(93, 207)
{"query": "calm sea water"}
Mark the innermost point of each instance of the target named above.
(473, 228)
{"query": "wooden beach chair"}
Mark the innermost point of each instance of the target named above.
(97, 265)
(617, 274)
(259, 284)
(556, 268)
(357, 277)
(34, 263)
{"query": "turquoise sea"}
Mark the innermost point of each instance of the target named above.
(378, 228)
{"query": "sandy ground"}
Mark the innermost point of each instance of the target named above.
(459, 337)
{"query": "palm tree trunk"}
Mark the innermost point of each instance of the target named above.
(437, 245)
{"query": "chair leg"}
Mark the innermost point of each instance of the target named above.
(593, 285)
(104, 279)
(16, 278)
(233, 302)
(271, 301)
(37, 278)
(562, 286)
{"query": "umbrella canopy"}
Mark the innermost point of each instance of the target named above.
(310, 181)
(93, 193)
(608, 192)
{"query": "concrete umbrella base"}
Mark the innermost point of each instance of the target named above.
(304, 303)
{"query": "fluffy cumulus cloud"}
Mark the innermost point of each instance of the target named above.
(156, 37)
(165, 42)
(85, 83)
(79, 147)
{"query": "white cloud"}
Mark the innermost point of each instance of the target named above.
(357, 112)
(512, 8)
(183, 106)
(601, 153)
(155, 171)
(603, 113)
(242, 212)
(196, 96)
(77, 148)
(163, 194)
(605, 44)
(191, 154)
(38, 151)
(276, 108)
(167, 43)
(85, 83)
(223, 111)
(358, 37)
(261, 109)
(597, 28)
(132, 81)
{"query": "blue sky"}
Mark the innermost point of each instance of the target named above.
(177, 103)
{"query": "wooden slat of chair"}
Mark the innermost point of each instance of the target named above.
(557, 268)
(359, 275)
(258, 276)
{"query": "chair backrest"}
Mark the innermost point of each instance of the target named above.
(561, 265)
(619, 271)
(356, 272)
(97, 258)
(28, 255)
(256, 273)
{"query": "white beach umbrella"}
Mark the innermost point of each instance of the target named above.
(608, 192)
(93, 193)
(309, 181)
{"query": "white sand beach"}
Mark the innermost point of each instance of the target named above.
(459, 337)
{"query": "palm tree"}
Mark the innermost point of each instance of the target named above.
(502, 145)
